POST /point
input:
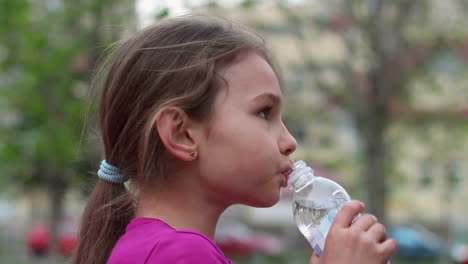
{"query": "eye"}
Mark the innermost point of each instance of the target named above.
(265, 112)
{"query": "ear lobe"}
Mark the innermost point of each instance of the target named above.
(174, 126)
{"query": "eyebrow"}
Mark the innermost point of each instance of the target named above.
(268, 96)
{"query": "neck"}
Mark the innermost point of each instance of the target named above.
(184, 207)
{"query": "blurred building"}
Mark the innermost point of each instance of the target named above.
(429, 178)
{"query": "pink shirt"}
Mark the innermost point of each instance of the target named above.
(151, 241)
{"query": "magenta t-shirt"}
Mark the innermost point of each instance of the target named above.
(151, 241)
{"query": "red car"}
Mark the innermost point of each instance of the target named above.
(38, 239)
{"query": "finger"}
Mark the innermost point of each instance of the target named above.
(377, 232)
(364, 222)
(388, 247)
(314, 259)
(345, 216)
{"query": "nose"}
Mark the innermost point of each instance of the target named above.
(287, 143)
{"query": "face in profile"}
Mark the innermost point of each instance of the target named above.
(246, 147)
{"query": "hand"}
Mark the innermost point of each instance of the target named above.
(362, 242)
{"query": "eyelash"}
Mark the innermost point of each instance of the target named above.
(265, 110)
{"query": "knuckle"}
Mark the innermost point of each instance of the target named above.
(368, 218)
(381, 251)
(372, 217)
(393, 245)
(352, 205)
(368, 242)
(352, 237)
(348, 206)
(388, 249)
(382, 228)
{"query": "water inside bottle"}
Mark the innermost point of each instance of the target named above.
(316, 202)
(315, 216)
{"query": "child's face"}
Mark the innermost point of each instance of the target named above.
(244, 154)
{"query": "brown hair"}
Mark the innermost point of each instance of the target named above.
(172, 63)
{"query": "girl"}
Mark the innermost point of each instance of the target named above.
(190, 116)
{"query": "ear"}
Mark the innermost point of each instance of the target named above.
(175, 130)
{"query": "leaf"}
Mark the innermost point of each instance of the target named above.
(246, 4)
(163, 13)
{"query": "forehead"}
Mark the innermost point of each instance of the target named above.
(248, 76)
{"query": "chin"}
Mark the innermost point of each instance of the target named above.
(265, 201)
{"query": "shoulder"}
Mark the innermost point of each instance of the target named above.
(184, 247)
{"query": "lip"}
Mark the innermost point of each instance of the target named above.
(286, 174)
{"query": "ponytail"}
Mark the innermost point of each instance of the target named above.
(108, 211)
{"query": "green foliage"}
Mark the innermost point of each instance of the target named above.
(248, 3)
(427, 179)
(46, 54)
(212, 4)
(164, 12)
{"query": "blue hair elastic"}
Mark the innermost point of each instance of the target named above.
(111, 173)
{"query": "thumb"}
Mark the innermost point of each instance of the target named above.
(314, 259)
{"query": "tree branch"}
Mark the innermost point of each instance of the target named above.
(304, 50)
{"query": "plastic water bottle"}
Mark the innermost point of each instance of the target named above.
(316, 202)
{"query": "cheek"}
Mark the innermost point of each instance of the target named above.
(240, 147)
(229, 137)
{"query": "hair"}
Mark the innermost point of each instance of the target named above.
(172, 63)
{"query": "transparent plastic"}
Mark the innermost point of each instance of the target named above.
(316, 202)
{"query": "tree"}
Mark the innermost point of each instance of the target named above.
(389, 47)
(47, 52)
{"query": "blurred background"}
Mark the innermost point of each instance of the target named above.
(377, 98)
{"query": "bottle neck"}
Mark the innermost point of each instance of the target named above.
(302, 181)
(301, 176)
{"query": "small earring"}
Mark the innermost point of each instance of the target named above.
(192, 153)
